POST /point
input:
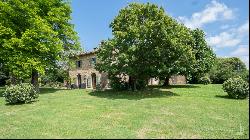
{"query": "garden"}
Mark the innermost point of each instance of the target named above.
(180, 111)
(37, 99)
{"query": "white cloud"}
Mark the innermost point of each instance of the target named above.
(233, 38)
(214, 49)
(245, 59)
(244, 29)
(213, 12)
(243, 53)
(230, 38)
(242, 50)
(224, 39)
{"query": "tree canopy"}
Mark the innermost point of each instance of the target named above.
(35, 34)
(148, 43)
(226, 68)
(204, 56)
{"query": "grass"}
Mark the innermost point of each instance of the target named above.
(188, 111)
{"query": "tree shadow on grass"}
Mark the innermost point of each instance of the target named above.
(226, 97)
(20, 103)
(2, 89)
(174, 86)
(223, 96)
(133, 95)
(49, 90)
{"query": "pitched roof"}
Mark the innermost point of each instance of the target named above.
(87, 53)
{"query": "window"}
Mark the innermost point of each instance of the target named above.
(78, 64)
(93, 61)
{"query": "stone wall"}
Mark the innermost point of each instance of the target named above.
(174, 80)
(153, 81)
(86, 72)
(177, 80)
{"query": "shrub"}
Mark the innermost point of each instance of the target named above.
(8, 82)
(141, 84)
(117, 84)
(236, 88)
(21, 93)
(98, 87)
(226, 68)
(204, 80)
(54, 84)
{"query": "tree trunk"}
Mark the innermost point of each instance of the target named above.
(34, 80)
(132, 83)
(166, 82)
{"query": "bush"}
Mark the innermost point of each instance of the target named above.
(117, 84)
(21, 93)
(98, 87)
(226, 68)
(8, 82)
(53, 84)
(204, 80)
(236, 88)
(141, 84)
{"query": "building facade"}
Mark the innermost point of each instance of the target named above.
(84, 74)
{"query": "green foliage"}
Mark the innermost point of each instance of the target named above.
(4, 74)
(8, 82)
(204, 57)
(146, 43)
(226, 68)
(35, 35)
(55, 84)
(21, 93)
(98, 87)
(141, 84)
(245, 75)
(117, 84)
(204, 80)
(236, 88)
(54, 75)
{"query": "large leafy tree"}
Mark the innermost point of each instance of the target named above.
(226, 68)
(204, 56)
(182, 58)
(202, 60)
(3, 74)
(146, 43)
(35, 35)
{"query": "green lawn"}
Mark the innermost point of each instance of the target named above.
(197, 111)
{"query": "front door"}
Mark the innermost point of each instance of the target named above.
(93, 80)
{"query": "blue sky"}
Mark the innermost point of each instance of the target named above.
(225, 22)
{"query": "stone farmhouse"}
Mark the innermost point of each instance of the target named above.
(84, 74)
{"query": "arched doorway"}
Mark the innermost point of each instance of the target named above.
(79, 80)
(93, 76)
